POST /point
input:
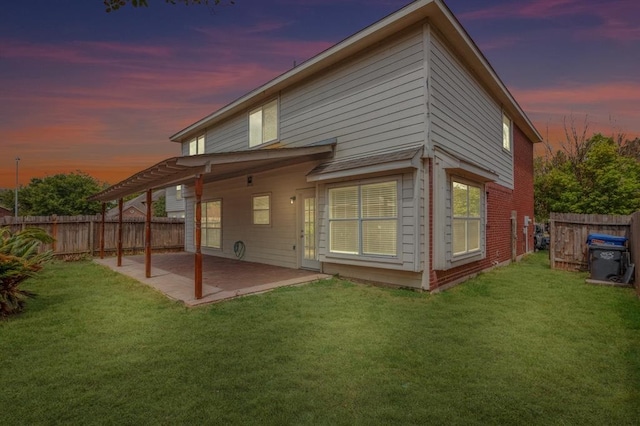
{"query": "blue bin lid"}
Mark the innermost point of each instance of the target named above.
(606, 239)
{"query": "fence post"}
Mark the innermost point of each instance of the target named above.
(54, 232)
(104, 206)
(91, 236)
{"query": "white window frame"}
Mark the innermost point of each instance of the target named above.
(254, 210)
(360, 254)
(204, 222)
(196, 146)
(474, 254)
(507, 133)
(178, 192)
(257, 117)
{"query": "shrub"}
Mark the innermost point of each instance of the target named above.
(19, 259)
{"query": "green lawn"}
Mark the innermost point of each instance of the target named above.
(518, 345)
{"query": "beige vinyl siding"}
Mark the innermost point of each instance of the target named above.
(371, 273)
(271, 244)
(408, 240)
(231, 135)
(171, 203)
(372, 102)
(189, 210)
(465, 120)
(410, 237)
(423, 218)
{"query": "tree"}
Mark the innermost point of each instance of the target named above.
(597, 176)
(159, 207)
(630, 148)
(61, 194)
(6, 198)
(113, 5)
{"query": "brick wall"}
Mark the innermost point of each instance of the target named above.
(523, 185)
(500, 202)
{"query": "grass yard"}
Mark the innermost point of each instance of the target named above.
(518, 345)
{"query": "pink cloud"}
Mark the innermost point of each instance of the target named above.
(618, 18)
(499, 43)
(249, 43)
(77, 115)
(610, 108)
(584, 94)
(80, 52)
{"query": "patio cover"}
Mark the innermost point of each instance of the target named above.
(214, 167)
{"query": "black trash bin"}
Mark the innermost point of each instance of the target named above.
(605, 262)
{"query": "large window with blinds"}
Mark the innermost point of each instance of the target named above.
(467, 210)
(363, 219)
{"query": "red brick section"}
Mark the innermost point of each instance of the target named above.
(500, 202)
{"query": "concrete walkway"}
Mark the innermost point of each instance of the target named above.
(222, 279)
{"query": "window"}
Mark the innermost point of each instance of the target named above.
(363, 219)
(261, 206)
(506, 132)
(263, 124)
(212, 224)
(178, 192)
(466, 218)
(196, 145)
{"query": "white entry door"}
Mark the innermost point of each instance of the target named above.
(307, 230)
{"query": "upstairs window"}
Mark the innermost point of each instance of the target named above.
(196, 145)
(466, 218)
(506, 133)
(179, 192)
(263, 124)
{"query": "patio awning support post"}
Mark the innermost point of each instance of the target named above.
(104, 210)
(198, 257)
(119, 248)
(147, 237)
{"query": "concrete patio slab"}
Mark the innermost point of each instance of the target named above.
(222, 279)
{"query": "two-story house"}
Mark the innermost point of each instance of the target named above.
(396, 156)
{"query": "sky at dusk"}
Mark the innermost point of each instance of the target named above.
(81, 89)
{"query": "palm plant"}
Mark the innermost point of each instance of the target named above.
(20, 258)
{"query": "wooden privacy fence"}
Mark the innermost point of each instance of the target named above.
(568, 234)
(78, 235)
